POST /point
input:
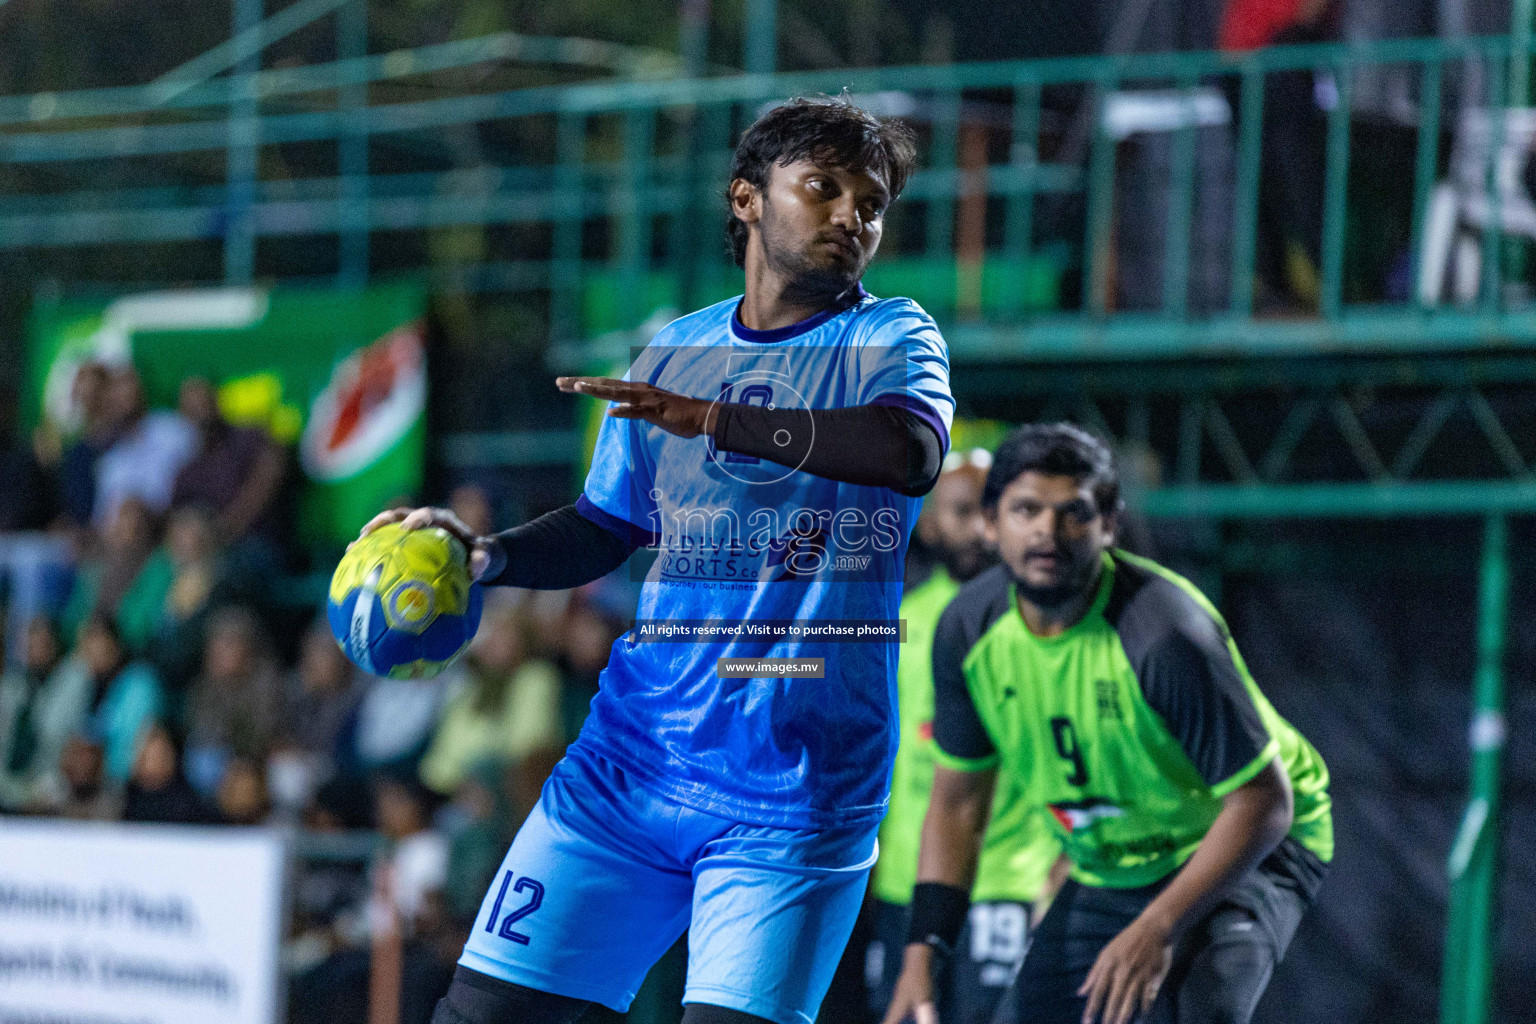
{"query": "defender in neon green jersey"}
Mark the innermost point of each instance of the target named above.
(1018, 850)
(1109, 691)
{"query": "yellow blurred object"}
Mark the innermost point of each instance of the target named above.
(970, 433)
(287, 424)
(256, 400)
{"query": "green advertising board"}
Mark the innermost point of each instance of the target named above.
(341, 375)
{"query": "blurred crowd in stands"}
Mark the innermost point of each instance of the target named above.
(160, 675)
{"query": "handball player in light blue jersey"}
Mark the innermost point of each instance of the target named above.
(772, 451)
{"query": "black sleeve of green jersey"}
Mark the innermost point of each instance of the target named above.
(957, 729)
(1188, 676)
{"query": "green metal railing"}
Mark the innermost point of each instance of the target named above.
(643, 161)
(1467, 978)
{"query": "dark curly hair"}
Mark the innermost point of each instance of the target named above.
(1055, 449)
(825, 129)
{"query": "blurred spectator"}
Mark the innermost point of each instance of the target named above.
(96, 432)
(586, 639)
(327, 893)
(236, 471)
(473, 507)
(127, 580)
(1290, 223)
(476, 847)
(126, 695)
(234, 708)
(323, 692)
(37, 573)
(158, 790)
(26, 498)
(291, 779)
(87, 795)
(416, 857)
(242, 797)
(525, 780)
(320, 700)
(201, 581)
(393, 724)
(415, 868)
(411, 868)
(151, 448)
(44, 720)
(504, 705)
(1253, 24)
(24, 699)
(341, 804)
(193, 549)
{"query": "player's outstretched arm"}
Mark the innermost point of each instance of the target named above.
(946, 868)
(557, 551)
(1126, 977)
(875, 445)
(635, 400)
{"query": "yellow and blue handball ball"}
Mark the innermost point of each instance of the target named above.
(402, 603)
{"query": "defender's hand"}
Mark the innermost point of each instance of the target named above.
(632, 400)
(479, 548)
(1125, 979)
(913, 998)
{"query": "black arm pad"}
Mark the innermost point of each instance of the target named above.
(557, 551)
(872, 445)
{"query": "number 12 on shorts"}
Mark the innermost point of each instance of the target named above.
(535, 891)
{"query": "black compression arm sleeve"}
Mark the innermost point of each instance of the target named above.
(873, 445)
(557, 551)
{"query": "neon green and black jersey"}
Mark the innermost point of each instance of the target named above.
(1130, 726)
(1018, 849)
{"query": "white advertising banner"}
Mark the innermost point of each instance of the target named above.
(139, 924)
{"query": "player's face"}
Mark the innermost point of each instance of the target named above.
(1050, 532)
(820, 225)
(953, 523)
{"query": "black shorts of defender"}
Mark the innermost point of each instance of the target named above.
(971, 987)
(1221, 966)
(475, 998)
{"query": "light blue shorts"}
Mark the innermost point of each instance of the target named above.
(605, 875)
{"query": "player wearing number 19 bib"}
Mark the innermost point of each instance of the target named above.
(776, 469)
(1018, 850)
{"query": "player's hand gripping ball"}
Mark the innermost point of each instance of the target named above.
(402, 603)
